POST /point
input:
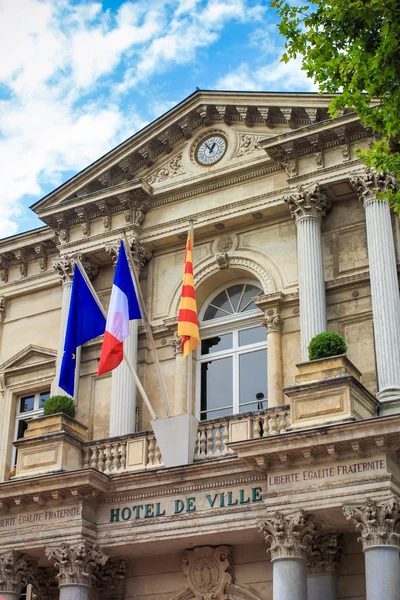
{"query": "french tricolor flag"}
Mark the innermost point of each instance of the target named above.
(124, 307)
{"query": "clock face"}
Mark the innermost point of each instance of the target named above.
(211, 150)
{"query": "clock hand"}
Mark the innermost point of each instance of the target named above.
(207, 146)
(212, 147)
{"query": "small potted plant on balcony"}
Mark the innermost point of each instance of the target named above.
(58, 415)
(327, 358)
(327, 387)
(53, 442)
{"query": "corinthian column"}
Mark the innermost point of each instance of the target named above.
(13, 574)
(384, 281)
(77, 566)
(323, 566)
(65, 268)
(289, 540)
(379, 525)
(308, 207)
(123, 387)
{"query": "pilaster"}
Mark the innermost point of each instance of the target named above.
(308, 207)
(273, 327)
(323, 567)
(180, 403)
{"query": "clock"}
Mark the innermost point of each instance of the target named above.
(210, 150)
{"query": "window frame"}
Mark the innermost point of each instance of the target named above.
(26, 416)
(222, 325)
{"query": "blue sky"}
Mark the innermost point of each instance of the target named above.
(77, 78)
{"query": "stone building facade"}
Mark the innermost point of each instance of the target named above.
(294, 488)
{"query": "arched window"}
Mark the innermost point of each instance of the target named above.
(232, 357)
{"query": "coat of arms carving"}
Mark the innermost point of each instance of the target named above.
(207, 572)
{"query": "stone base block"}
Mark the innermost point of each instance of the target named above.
(50, 444)
(136, 454)
(332, 400)
(323, 368)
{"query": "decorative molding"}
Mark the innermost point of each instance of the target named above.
(225, 243)
(207, 571)
(170, 170)
(110, 580)
(378, 524)
(308, 203)
(248, 144)
(76, 563)
(288, 536)
(371, 183)
(222, 260)
(65, 269)
(325, 554)
(140, 254)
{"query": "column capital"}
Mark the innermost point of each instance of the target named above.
(14, 568)
(311, 202)
(76, 563)
(65, 267)
(140, 254)
(272, 322)
(370, 183)
(110, 580)
(176, 343)
(378, 523)
(325, 553)
(288, 536)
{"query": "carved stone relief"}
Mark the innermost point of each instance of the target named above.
(13, 571)
(207, 571)
(171, 169)
(2, 308)
(110, 580)
(325, 553)
(311, 202)
(249, 143)
(370, 183)
(289, 536)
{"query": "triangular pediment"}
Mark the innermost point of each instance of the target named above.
(31, 356)
(152, 156)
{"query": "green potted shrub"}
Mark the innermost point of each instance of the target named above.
(327, 358)
(326, 344)
(58, 415)
(59, 404)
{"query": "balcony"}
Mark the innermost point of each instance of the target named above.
(60, 443)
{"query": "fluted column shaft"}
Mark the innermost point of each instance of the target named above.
(385, 297)
(383, 278)
(308, 208)
(123, 389)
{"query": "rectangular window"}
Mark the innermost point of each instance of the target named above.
(216, 388)
(28, 407)
(253, 380)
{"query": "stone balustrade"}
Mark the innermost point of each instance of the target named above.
(141, 451)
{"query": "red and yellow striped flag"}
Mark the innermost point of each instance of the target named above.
(188, 324)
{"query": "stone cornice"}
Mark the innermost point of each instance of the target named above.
(199, 109)
(349, 439)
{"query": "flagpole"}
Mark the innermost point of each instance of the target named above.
(147, 325)
(189, 391)
(126, 359)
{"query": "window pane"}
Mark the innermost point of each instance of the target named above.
(235, 293)
(216, 385)
(22, 427)
(252, 336)
(224, 412)
(259, 405)
(219, 307)
(252, 377)
(216, 343)
(214, 313)
(43, 396)
(249, 293)
(27, 404)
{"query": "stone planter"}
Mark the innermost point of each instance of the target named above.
(329, 390)
(52, 443)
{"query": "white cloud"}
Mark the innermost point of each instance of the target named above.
(273, 77)
(63, 70)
